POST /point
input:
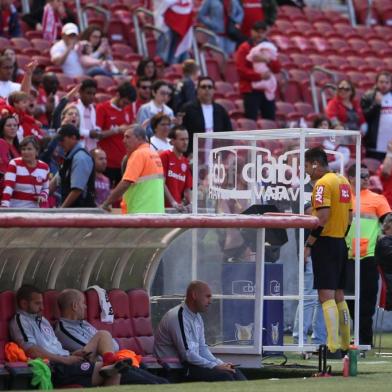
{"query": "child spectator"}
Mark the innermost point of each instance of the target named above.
(27, 179)
(19, 102)
(178, 176)
(260, 55)
(102, 183)
(51, 20)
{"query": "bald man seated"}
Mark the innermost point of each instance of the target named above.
(77, 334)
(180, 334)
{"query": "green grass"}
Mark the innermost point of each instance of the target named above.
(373, 376)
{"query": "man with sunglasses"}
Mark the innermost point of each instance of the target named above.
(143, 93)
(203, 114)
(374, 208)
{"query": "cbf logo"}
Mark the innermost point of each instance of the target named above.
(238, 172)
(274, 287)
(242, 287)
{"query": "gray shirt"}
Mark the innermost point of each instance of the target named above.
(82, 166)
(29, 330)
(75, 334)
(180, 333)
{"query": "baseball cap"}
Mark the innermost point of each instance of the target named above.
(68, 130)
(70, 28)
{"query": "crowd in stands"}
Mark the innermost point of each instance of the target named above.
(53, 75)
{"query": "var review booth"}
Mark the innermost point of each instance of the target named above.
(253, 264)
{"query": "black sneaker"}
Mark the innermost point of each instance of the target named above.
(118, 367)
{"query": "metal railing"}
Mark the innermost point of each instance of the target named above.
(313, 87)
(327, 86)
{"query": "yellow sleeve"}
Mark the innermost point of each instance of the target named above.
(322, 195)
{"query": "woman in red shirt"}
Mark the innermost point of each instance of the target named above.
(9, 146)
(345, 109)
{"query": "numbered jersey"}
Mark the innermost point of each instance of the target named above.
(333, 191)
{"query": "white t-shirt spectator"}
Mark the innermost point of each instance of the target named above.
(71, 66)
(157, 144)
(8, 87)
(385, 124)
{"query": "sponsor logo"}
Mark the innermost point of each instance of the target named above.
(183, 167)
(247, 172)
(242, 287)
(345, 193)
(244, 332)
(176, 176)
(85, 366)
(47, 330)
(319, 195)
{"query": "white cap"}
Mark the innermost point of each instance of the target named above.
(70, 28)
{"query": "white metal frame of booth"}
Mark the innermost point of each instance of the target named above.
(251, 354)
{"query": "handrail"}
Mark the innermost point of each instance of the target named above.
(83, 22)
(141, 42)
(313, 86)
(322, 92)
(369, 13)
(351, 13)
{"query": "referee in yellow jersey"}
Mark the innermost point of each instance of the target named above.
(332, 204)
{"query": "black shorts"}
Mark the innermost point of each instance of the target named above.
(78, 373)
(329, 259)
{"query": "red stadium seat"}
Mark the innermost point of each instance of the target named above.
(246, 124)
(104, 82)
(325, 28)
(299, 75)
(41, 44)
(303, 108)
(122, 328)
(267, 124)
(51, 309)
(4, 43)
(227, 104)
(224, 87)
(139, 308)
(291, 91)
(213, 69)
(321, 44)
(102, 97)
(286, 111)
(23, 60)
(302, 61)
(7, 306)
(20, 43)
(339, 44)
(65, 80)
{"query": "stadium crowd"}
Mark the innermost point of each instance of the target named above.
(86, 122)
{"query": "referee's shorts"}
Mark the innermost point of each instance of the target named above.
(329, 259)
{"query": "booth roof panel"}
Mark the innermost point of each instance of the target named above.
(291, 133)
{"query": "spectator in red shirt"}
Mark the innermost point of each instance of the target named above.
(19, 102)
(178, 175)
(113, 118)
(255, 100)
(143, 93)
(258, 10)
(345, 109)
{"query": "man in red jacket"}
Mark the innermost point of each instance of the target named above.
(255, 100)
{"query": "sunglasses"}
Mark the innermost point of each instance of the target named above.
(344, 89)
(206, 86)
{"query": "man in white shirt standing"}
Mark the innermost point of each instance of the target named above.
(88, 117)
(7, 86)
(377, 108)
(205, 115)
(64, 52)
